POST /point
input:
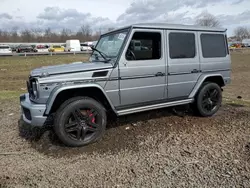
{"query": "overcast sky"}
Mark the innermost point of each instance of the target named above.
(72, 14)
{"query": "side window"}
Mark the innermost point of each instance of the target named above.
(144, 46)
(213, 45)
(181, 45)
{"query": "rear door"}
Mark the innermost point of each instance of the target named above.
(183, 63)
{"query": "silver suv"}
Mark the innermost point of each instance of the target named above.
(132, 69)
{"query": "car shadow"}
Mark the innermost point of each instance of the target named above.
(125, 132)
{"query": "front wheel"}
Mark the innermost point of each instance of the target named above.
(80, 121)
(208, 100)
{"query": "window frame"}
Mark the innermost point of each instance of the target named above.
(181, 32)
(145, 31)
(213, 33)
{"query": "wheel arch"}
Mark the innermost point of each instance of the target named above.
(63, 93)
(215, 78)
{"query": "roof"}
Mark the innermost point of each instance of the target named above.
(172, 26)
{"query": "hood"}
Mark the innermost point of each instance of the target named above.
(69, 68)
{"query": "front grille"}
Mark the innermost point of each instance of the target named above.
(27, 113)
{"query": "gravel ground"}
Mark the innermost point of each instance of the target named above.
(151, 149)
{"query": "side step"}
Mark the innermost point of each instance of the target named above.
(155, 106)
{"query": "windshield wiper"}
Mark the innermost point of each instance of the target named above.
(101, 53)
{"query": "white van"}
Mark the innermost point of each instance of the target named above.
(72, 45)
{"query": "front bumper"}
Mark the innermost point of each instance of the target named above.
(32, 113)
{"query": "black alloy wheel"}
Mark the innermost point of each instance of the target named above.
(80, 121)
(209, 99)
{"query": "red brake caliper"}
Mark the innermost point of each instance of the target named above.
(90, 115)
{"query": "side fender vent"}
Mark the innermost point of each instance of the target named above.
(100, 74)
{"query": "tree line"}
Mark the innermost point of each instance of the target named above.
(85, 33)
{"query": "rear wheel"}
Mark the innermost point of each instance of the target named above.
(208, 100)
(80, 121)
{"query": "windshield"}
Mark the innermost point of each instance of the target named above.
(109, 45)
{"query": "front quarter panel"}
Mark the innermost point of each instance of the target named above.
(50, 84)
(63, 87)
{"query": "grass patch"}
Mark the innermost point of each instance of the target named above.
(236, 102)
(14, 71)
(6, 95)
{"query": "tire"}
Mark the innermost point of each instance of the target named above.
(208, 99)
(93, 122)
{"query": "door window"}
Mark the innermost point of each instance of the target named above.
(144, 46)
(181, 45)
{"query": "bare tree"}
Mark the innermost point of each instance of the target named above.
(4, 36)
(85, 31)
(27, 36)
(14, 34)
(241, 33)
(38, 34)
(207, 19)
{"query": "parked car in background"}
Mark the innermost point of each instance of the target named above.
(5, 49)
(24, 48)
(72, 45)
(13, 48)
(56, 48)
(85, 47)
(41, 48)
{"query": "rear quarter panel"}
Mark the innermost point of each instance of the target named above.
(215, 65)
(210, 67)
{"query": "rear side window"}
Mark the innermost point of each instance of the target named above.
(213, 45)
(181, 45)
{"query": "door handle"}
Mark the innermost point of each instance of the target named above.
(195, 71)
(159, 74)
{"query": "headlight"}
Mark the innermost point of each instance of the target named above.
(35, 90)
(32, 86)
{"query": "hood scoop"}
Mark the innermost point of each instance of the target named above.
(99, 74)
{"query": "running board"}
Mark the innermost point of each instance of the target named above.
(152, 107)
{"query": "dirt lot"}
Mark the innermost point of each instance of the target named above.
(151, 149)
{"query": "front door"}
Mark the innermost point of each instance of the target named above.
(142, 68)
(183, 63)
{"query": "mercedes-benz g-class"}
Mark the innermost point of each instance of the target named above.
(131, 69)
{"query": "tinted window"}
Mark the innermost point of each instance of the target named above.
(213, 45)
(4, 47)
(181, 45)
(144, 46)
